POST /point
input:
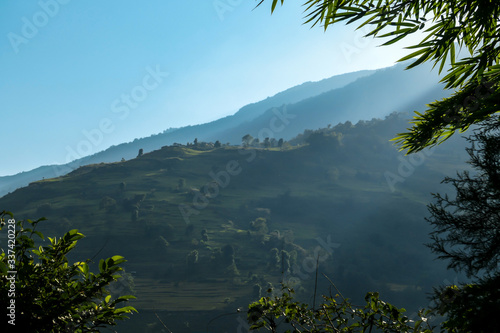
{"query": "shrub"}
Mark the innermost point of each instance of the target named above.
(47, 293)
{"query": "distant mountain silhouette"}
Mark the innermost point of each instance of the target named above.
(385, 91)
(344, 192)
(352, 96)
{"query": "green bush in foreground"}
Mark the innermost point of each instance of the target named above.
(42, 292)
(335, 314)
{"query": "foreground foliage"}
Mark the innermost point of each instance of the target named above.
(448, 27)
(471, 307)
(467, 225)
(335, 314)
(45, 293)
(467, 233)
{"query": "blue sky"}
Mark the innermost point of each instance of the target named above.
(129, 69)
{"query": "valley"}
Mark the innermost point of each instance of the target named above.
(208, 230)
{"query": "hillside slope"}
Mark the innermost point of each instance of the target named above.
(201, 228)
(352, 96)
(185, 134)
(388, 90)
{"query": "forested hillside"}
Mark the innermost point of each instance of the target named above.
(310, 105)
(206, 230)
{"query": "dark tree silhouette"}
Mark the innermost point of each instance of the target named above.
(467, 233)
(467, 227)
(204, 235)
(267, 143)
(228, 254)
(247, 140)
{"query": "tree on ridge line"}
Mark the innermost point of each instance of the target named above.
(471, 25)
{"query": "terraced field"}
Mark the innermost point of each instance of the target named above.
(209, 230)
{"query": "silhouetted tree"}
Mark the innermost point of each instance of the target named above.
(259, 225)
(247, 140)
(228, 254)
(267, 143)
(217, 144)
(280, 142)
(141, 152)
(467, 233)
(204, 235)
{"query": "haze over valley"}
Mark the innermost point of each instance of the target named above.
(217, 166)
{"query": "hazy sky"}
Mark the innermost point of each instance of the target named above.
(80, 76)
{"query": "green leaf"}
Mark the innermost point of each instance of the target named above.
(3, 268)
(83, 267)
(394, 40)
(102, 266)
(126, 309)
(116, 260)
(124, 298)
(258, 325)
(412, 55)
(273, 6)
(39, 234)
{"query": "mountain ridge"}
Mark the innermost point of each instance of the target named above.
(199, 225)
(248, 119)
(114, 153)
